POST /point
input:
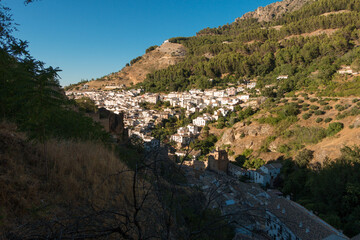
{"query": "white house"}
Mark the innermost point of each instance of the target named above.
(195, 91)
(281, 77)
(236, 171)
(220, 93)
(240, 89)
(251, 85)
(201, 121)
(181, 139)
(265, 174)
(244, 98)
(286, 219)
(209, 92)
(346, 70)
(231, 91)
(193, 129)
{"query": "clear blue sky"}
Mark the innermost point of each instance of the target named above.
(91, 38)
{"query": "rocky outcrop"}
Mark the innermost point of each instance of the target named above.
(113, 123)
(242, 136)
(356, 123)
(274, 10)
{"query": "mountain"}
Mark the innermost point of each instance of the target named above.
(274, 10)
(169, 54)
(155, 58)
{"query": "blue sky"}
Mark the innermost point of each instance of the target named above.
(91, 38)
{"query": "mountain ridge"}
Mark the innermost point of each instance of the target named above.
(274, 10)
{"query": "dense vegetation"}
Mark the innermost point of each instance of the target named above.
(31, 96)
(332, 191)
(248, 49)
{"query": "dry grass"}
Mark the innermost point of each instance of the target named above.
(77, 173)
(83, 170)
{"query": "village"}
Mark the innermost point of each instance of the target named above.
(247, 195)
(140, 121)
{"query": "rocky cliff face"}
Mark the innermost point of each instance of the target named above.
(242, 136)
(274, 10)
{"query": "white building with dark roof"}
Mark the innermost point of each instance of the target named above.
(265, 174)
(286, 219)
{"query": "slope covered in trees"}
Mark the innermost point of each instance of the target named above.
(249, 49)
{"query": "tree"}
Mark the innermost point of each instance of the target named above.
(304, 157)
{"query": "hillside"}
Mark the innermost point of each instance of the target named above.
(270, 137)
(320, 36)
(161, 57)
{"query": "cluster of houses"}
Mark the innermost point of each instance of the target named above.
(141, 122)
(218, 161)
(255, 212)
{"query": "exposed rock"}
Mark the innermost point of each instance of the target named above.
(228, 136)
(242, 137)
(274, 10)
(273, 146)
(103, 113)
(117, 127)
(356, 122)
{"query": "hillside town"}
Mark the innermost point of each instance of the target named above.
(246, 195)
(140, 121)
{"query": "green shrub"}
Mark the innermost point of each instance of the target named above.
(247, 152)
(355, 100)
(352, 112)
(151, 48)
(328, 120)
(314, 107)
(318, 120)
(304, 109)
(306, 116)
(284, 149)
(308, 135)
(254, 163)
(313, 99)
(323, 103)
(289, 110)
(319, 112)
(334, 128)
(240, 160)
(340, 116)
(300, 101)
(351, 126)
(327, 108)
(304, 157)
(339, 107)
